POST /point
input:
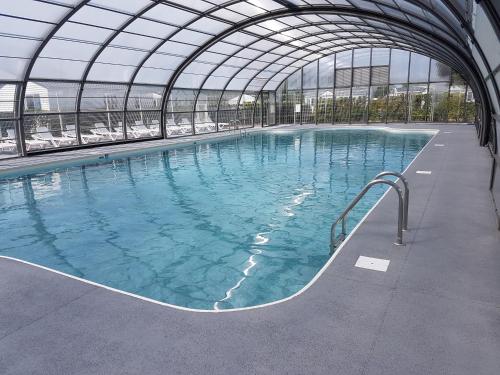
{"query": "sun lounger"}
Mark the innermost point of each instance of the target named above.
(101, 130)
(31, 144)
(86, 138)
(43, 134)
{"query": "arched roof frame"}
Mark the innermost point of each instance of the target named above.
(458, 54)
(444, 17)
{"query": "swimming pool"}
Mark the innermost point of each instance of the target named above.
(231, 223)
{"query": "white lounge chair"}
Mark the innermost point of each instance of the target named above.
(141, 130)
(103, 131)
(43, 134)
(86, 138)
(31, 144)
(6, 145)
(206, 127)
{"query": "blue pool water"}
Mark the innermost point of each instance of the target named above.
(219, 225)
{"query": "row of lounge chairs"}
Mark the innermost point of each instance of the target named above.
(43, 138)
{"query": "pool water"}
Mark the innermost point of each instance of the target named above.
(232, 223)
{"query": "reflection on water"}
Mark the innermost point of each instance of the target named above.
(213, 226)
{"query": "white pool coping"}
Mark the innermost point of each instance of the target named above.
(435, 132)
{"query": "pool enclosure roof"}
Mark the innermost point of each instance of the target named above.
(247, 45)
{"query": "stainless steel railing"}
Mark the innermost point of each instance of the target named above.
(406, 197)
(402, 209)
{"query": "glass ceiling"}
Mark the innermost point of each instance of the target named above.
(234, 45)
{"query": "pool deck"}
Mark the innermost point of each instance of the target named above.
(436, 310)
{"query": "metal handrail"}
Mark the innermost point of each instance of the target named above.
(342, 217)
(406, 197)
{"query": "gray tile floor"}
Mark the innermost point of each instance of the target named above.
(435, 311)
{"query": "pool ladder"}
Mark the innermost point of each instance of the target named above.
(403, 199)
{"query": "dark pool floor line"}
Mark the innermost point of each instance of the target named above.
(435, 311)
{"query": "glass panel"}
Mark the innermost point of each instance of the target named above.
(309, 107)
(361, 77)
(399, 66)
(49, 131)
(48, 96)
(359, 110)
(181, 100)
(439, 71)
(102, 127)
(344, 59)
(438, 111)
(310, 78)
(326, 71)
(470, 106)
(418, 98)
(178, 124)
(246, 109)
(380, 75)
(325, 106)
(145, 97)
(456, 103)
(103, 97)
(8, 102)
(8, 144)
(378, 103)
(397, 106)
(294, 81)
(143, 124)
(419, 68)
(361, 57)
(343, 77)
(380, 56)
(342, 106)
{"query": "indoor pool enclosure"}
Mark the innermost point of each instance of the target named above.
(248, 198)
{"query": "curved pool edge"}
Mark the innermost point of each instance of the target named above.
(316, 277)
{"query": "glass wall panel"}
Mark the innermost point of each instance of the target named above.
(326, 71)
(343, 77)
(343, 59)
(51, 131)
(325, 106)
(8, 110)
(47, 96)
(438, 111)
(246, 109)
(380, 56)
(359, 109)
(418, 98)
(271, 112)
(456, 101)
(439, 71)
(342, 105)
(397, 104)
(310, 76)
(8, 144)
(309, 107)
(378, 103)
(419, 68)
(143, 124)
(361, 57)
(399, 66)
(470, 106)
(179, 112)
(145, 97)
(361, 77)
(294, 81)
(205, 117)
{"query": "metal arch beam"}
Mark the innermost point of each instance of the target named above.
(278, 14)
(22, 92)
